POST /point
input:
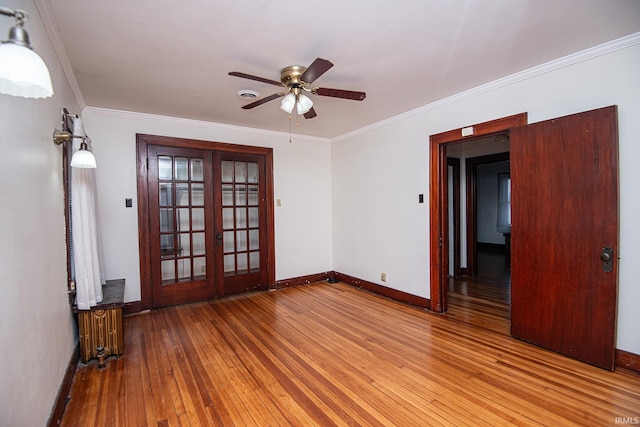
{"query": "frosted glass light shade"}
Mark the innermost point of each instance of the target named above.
(23, 73)
(83, 158)
(288, 102)
(304, 104)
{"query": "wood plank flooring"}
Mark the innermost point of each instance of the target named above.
(330, 354)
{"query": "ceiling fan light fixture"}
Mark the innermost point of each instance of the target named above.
(304, 104)
(288, 103)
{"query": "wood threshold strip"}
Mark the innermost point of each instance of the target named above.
(331, 354)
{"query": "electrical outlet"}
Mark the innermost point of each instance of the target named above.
(383, 277)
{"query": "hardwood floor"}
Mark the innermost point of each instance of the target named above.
(485, 300)
(331, 354)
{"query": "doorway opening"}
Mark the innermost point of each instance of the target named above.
(439, 212)
(479, 283)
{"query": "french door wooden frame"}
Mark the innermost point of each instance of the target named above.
(438, 212)
(142, 143)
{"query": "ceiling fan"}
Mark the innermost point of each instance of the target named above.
(296, 80)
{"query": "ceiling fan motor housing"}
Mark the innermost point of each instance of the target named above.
(290, 76)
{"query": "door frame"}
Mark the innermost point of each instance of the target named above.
(455, 164)
(472, 205)
(142, 142)
(438, 213)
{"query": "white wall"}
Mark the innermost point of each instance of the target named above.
(377, 174)
(302, 180)
(37, 331)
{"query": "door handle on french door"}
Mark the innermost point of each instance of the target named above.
(219, 236)
(606, 256)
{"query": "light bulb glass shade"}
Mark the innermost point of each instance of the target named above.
(83, 158)
(304, 104)
(288, 102)
(23, 73)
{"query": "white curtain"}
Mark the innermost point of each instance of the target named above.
(85, 230)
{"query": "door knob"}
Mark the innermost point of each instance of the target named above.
(219, 236)
(606, 256)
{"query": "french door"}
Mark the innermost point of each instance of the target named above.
(207, 223)
(241, 228)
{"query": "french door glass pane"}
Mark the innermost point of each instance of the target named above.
(241, 172)
(227, 171)
(253, 195)
(198, 243)
(241, 217)
(200, 266)
(228, 241)
(182, 222)
(168, 271)
(241, 195)
(229, 264)
(184, 244)
(253, 217)
(197, 194)
(254, 244)
(182, 194)
(227, 218)
(181, 169)
(166, 219)
(166, 194)
(254, 261)
(252, 172)
(197, 172)
(243, 264)
(197, 219)
(241, 241)
(165, 167)
(227, 195)
(184, 269)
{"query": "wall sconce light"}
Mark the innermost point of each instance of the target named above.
(83, 158)
(22, 71)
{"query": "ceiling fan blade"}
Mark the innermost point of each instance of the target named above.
(256, 78)
(310, 114)
(315, 70)
(339, 93)
(262, 101)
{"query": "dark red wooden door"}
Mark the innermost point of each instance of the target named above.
(564, 175)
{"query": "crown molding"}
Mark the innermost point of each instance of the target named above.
(556, 64)
(46, 14)
(199, 123)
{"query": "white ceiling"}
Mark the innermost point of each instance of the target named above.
(173, 58)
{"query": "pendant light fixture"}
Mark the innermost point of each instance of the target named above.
(22, 71)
